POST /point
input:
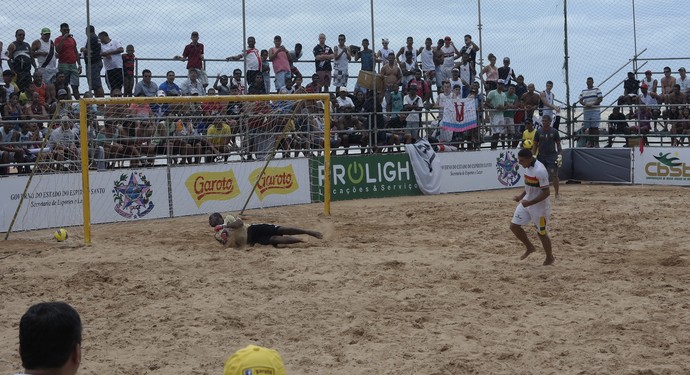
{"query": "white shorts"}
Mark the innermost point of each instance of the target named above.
(48, 74)
(539, 216)
(497, 122)
(340, 78)
(509, 125)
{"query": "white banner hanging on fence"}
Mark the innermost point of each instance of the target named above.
(480, 170)
(56, 200)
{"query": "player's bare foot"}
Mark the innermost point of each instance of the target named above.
(529, 251)
(317, 235)
(549, 261)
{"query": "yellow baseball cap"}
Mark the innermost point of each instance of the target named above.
(254, 360)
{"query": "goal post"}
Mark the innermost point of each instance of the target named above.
(86, 105)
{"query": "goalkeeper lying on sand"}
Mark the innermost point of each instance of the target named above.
(233, 232)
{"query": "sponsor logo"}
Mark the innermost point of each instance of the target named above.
(507, 168)
(132, 195)
(667, 168)
(275, 180)
(369, 173)
(212, 186)
(367, 177)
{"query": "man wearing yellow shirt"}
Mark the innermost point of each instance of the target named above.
(220, 136)
(529, 131)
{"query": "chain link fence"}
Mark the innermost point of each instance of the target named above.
(564, 42)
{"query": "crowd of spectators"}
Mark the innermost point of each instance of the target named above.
(43, 76)
(652, 107)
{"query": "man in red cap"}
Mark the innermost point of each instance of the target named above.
(651, 82)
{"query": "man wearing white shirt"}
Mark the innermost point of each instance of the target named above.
(252, 60)
(63, 142)
(111, 51)
(413, 105)
(534, 206)
(445, 99)
(192, 86)
(684, 82)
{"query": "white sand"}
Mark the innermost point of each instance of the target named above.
(418, 285)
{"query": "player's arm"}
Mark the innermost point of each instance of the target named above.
(235, 57)
(34, 49)
(545, 192)
(238, 223)
(519, 197)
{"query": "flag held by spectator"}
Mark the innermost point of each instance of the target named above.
(460, 115)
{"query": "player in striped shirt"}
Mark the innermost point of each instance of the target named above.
(533, 205)
(590, 98)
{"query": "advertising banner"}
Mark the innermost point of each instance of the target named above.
(208, 188)
(128, 195)
(56, 200)
(481, 170)
(662, 166)
(369, 176)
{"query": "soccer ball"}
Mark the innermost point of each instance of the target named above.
(527, 143)
(60, 235)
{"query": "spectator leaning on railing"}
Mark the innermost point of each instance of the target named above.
(194, 55)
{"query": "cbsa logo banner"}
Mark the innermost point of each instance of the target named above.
(357, 177)
(662, 166)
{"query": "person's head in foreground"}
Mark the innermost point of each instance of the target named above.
(50, 339)
(254, 360)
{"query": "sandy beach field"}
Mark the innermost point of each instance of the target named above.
(415, 285)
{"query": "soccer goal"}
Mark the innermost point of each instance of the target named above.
(168, 156)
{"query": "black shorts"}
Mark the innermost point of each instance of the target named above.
(251, 76)
(551, 168)
(115, 79)
(261, 233)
